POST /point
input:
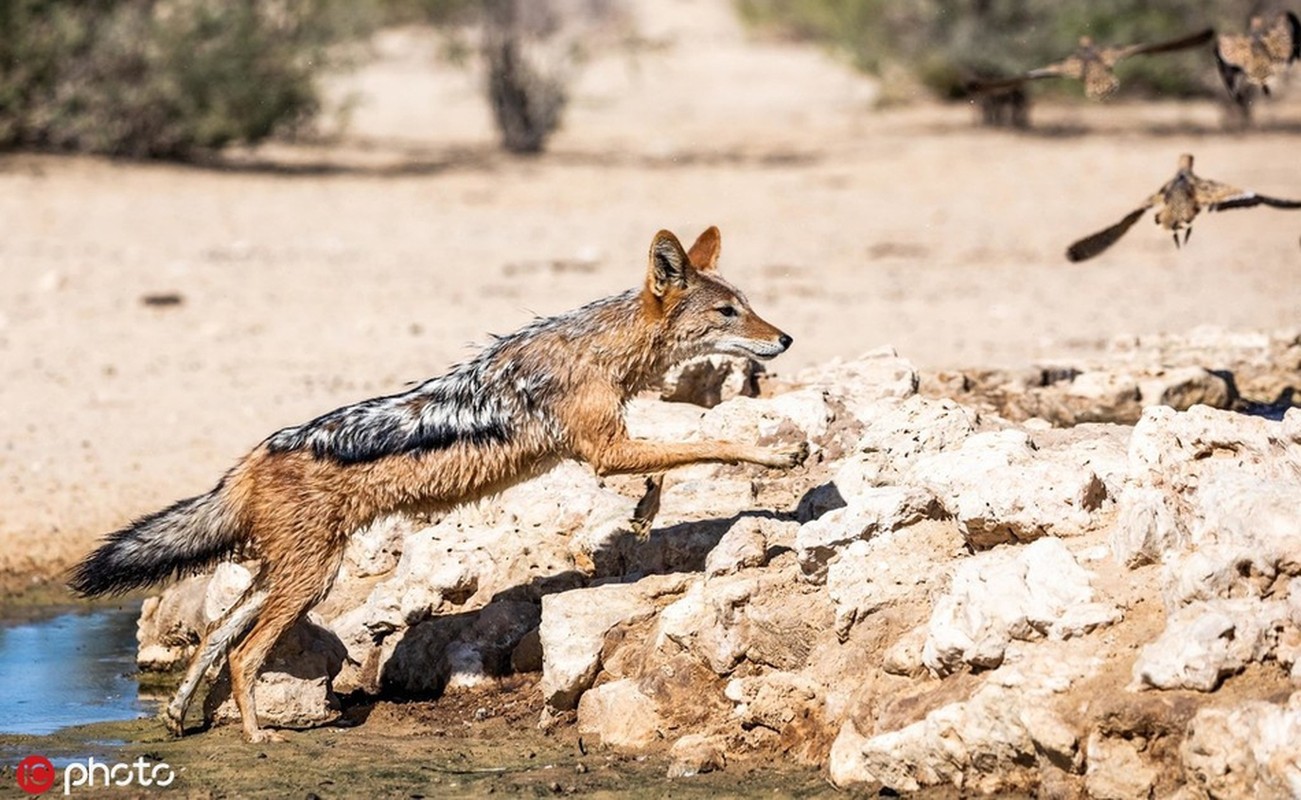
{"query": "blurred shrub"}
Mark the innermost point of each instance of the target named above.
(526, 104)
(435, 12)
(531, 51)
(943, 43)
(160, 78)
(526, 101)
(179, 78)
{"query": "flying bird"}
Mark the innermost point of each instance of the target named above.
(1252, 59)
(1177, 204)
(1094, 65)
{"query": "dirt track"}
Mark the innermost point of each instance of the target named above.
(315, 276)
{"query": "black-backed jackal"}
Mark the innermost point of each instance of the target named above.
(553, 390)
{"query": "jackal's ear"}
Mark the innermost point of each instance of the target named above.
(704, 253)
(668, 264)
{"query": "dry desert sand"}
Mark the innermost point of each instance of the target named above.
(316, 275)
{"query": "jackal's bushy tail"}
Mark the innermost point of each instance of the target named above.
(183, 538)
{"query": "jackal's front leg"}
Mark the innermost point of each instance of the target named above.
(599, 436)
(623, 456)
(648, 506)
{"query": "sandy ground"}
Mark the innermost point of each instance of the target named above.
(316, 276)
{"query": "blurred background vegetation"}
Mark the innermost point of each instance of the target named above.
(181, 78)
(941, 44)
(178, 79)
(159, 79)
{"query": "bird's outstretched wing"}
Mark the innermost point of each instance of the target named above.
(1234, 77)
(1294, 24)
(1091, 66)
(979, 86)
(1249, 199)
(1169, 45)
(1092, 245)
(1216, 196)
(1210, 194)
(1283, 40)
(1234, 50)
(1070, 67)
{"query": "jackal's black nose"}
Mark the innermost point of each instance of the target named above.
(784, 341)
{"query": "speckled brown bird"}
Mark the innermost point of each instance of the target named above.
(1094, 65)
(1252, 59)
(1177, 204)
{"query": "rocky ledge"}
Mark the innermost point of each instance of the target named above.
(1074, 580)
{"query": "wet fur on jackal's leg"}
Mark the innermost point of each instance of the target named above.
(294, 577)
(246, 659)
(631, 456)
(215, 643)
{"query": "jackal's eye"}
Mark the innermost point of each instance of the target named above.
(727, 311)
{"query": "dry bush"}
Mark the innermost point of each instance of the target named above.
(532, 51)
(526, 99)
(158, 78)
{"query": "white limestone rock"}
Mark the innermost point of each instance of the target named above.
(1117, 771)
(1000, 489)
(1207, 641)
(709, 380)
(709, 620)
(803, 414)
(876, 375)
(891, 568)
(295, 687)
(991, 742)
(696, 754)
(172, 623)
(744, 545)
(573, 629)
(872, 512)
(772, 700)
(1204, 476)
(1249, 750)
(375, 549)
(619, 715)
(896, 434)
(1022, 594)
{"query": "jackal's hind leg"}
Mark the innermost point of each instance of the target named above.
(248, 657)
(218, 639)
(292, 588)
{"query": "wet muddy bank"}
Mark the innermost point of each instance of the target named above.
(469, 744)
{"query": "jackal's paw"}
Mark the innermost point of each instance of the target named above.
(175, 726)
(787, 457)
(649, 506)
(640, 528)
(262, 735)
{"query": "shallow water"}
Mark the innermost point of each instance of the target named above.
(69, 670)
